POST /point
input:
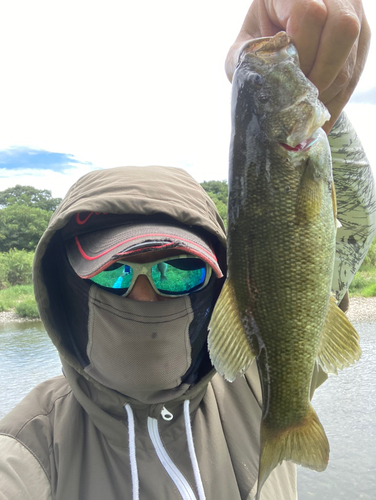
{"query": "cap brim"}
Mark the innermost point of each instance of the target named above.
(93, 252)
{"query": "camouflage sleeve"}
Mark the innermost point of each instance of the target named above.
(356, 203)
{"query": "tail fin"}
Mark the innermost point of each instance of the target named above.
(305, 444)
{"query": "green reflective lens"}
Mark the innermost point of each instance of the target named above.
(115, 276)
(179, 276)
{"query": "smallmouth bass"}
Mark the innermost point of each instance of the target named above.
(276, 304)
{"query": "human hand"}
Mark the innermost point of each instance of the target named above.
(332, 38)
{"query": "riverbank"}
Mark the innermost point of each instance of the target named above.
(12, 317)
(361, 310)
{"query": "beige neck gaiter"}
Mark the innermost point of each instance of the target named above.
(140, 349)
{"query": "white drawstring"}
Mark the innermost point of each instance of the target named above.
(191, 448)
(132, 453)
(192, 454)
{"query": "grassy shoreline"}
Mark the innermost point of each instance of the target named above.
(364, 283)
(20, 298)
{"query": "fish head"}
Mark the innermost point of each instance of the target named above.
(282, 101)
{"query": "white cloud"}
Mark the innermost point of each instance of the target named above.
(57, 182)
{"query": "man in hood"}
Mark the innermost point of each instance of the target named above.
(126, 277)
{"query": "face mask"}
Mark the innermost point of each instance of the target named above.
(143, 349)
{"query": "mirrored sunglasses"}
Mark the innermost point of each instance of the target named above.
(174, 276)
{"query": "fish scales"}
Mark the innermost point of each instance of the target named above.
(289, 270)
(276, 304)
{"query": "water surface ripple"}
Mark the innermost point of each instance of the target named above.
(27, 357)
(346, 406)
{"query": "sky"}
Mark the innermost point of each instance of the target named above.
(88, 85)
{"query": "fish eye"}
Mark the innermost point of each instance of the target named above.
(255, 79)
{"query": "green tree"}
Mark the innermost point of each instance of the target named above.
(218, 188)
(15, 268)
(22, 226)
(29, 196)
(218, 192)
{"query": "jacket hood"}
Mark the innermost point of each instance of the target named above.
(144, 191)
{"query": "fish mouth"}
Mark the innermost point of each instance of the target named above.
(308, 120)
(302, 146)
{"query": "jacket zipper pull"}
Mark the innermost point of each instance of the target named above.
(166, 415)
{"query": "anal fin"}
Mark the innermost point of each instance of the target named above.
(229, 348)
(339, 343)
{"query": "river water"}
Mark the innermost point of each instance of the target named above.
(345, 404)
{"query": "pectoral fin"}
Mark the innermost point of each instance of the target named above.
(229, 348)
(339, 343)
(309, 195)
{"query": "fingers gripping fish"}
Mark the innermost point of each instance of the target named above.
(276, 304)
